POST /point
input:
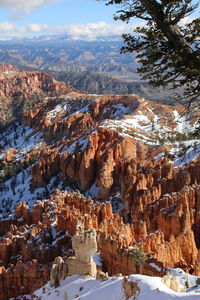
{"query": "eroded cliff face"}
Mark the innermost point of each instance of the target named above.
(167, 241)
(23, 84)
(29, 243)
(28, 251)
(136, 184)
(164, 229)
(74, 114)
(22, 91)
(7, 68)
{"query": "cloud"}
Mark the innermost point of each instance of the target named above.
(26, 6)
(186, 20)
(8, 28)
(90, 31)
(37, 28)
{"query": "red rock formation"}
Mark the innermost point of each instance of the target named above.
(101, 162)
(30, 88)
(118, 259)
(161, 203)
(177, 252)
(167, 245)
(22, 84)
(10, 154)
(163, 198)
(166, 232)
(26, 252)
(7, 68)
(22, 279)
(22, 211)
(76, 123)
(47, 167)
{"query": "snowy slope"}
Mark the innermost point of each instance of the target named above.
(18, 187)
(146, 124)
(20, 137)
(186, 279)
(191, 154)
(77, 287)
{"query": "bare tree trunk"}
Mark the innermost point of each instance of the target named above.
(172, 33)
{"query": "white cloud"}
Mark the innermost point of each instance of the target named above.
(186, 20)
(27, 6)
(89, 31)
(10, 29)
(37, 28)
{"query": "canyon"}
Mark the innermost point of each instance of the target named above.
(93, 67)
(120, 164)
(21, 91)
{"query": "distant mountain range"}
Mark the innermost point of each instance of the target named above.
(94, 67)
(60, 54)
(96, 83)
(57, 38)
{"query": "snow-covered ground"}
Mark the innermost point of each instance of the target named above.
(149, 126)
(87, 288)
(18, 189)
(182, 122)
(127, 118)
(20, 137)
(124, 119)
(192, 153)
(187, 280)
(65, 107)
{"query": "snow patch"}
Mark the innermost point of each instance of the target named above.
(78, 287)
(190, 155)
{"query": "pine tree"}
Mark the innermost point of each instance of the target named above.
(168, 51)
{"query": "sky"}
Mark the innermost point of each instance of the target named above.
(79, 19)
(85, 19)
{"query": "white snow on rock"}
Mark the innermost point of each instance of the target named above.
(84, 109)
(19, 137)
(2, 156)
(182, 122)
(191, 154)
(77, 287)
(119, 110)
(97, 259)
(186, 279)
(93, 191)
(67, 107)
(17, 189)
(54, 112)
(81, 143)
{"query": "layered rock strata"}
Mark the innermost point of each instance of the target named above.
(108, 147)
(28, 244)
(23, 91)
(166, 245)
(116, 237)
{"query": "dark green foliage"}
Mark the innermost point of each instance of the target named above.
(198, 281)
(168, 51)
(197, 130)
(178, 137)
(138, 258)
(187, 284)
(12, 169)
(56, 283)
